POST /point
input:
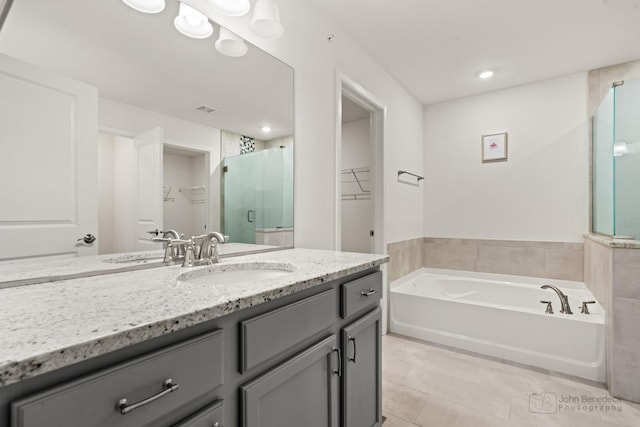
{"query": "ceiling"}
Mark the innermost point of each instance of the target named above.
(436, 48)
(141, 60)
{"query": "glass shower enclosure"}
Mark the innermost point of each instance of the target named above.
(257, 193)
(616, 162)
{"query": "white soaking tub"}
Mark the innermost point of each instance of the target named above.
(501, 316)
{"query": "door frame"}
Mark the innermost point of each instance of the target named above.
(349, 88)
(214, 221)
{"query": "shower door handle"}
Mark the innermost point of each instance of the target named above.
(249, 215)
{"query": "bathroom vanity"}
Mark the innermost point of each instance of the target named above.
(205, 346)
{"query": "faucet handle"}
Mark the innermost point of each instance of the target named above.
(549, 309)
(161, 239)
(584, 309)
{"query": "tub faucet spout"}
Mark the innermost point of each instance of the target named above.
(564, 300)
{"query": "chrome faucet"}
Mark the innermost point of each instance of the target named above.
(177, 250)
(209, 247)
(171, 233)
(564, 300)
(173, 249)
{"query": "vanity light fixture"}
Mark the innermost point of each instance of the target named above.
(487, 74)
(266, 20)
(266, 129)
(192, 23)
(229, 44)
(232, 7)
(146, 6)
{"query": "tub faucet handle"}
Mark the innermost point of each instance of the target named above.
(584, 309)
(549, 309)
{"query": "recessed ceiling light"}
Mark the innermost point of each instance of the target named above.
(266, 129)
(486, 74)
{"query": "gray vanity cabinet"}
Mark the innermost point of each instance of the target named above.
(361, 377)
(302, 391)
(309, 359)
(141, 392)
(210, 416)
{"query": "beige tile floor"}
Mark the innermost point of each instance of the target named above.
(426, 385)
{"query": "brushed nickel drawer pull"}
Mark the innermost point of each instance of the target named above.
(355, 349)
(368, 294)
(339, 370)
(167, 387)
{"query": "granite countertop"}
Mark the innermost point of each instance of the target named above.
(39, 270)
(613, 242)
(51, 325)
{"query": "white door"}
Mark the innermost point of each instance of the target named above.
(48, 162)
(149, 187)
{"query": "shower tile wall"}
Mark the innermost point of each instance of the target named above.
(613, 275)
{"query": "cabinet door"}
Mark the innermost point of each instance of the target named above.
(302, 391)
(210, 416)
(362, 373)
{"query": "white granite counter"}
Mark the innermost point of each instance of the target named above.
(40, 270)
(613, 242)
(48, 326)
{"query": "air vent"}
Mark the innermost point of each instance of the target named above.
(206, 109)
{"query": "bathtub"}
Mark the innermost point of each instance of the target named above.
(501, 316)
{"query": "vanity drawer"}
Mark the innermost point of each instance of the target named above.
(194, 366)
(211, 416)
(265, 336)
(361, 293)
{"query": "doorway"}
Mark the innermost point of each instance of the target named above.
(181, 175)
(360, 168)
(355, 179)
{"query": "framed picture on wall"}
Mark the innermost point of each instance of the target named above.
(494, 147)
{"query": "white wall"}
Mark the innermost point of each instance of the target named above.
(116, 197)
(540, 193)
(105, 193)
(132, 120)
(124, 195)
(315, 60)
(283, 141)
(356, 213)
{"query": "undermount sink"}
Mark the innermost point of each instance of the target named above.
(237, 273)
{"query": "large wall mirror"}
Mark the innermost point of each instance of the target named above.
(185, 137)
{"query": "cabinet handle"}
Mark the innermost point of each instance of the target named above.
(353, 359)
(339, 370)
(167, 387)
(368, 294)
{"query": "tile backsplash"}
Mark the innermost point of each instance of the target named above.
(552, 260)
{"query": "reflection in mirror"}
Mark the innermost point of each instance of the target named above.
(171, 113)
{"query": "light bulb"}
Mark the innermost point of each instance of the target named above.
(146, 6)
(232, 7)
(192, 23)
(266, 20)
(229, 44)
